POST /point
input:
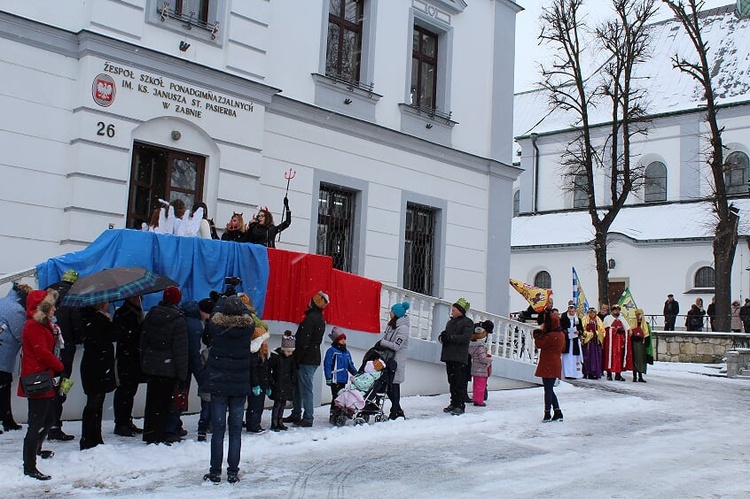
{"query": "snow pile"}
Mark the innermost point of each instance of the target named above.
(678, 435)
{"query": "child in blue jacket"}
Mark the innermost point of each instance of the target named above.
(338, 364)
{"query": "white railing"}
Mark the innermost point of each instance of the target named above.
(509, 340)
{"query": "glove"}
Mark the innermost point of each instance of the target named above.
(256, 390)
(328, 382)
(268, 392)
(286, 202)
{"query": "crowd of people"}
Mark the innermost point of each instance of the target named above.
(219, 341)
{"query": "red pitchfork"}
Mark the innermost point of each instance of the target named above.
(288, 175)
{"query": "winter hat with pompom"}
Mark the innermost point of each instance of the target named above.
(288, 341)
(337, 335)
(399, 309)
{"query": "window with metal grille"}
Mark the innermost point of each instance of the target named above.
(336, 225)
(424, 70)
(736, 170)
(542, 279)
(419, 248)
(344, 48)
(655, 186)
(705, 278)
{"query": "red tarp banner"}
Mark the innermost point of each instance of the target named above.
(357, 301)
(295, 277)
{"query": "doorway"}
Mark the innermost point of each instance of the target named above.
(159, 173)
(616, 289)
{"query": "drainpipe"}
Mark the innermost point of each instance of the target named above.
(535, 173)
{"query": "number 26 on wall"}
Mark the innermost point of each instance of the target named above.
(104, 129)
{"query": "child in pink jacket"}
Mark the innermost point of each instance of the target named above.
(481, 360)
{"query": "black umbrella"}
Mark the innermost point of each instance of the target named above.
(113, 285)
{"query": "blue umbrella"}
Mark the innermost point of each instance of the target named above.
(113, 285)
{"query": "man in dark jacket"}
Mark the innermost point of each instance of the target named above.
(127, 323)
(671, 309)
(307, 356)
(164, 360)
(455, 354)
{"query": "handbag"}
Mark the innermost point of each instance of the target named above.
(36, 383)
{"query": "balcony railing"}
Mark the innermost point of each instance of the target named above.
(189, 20)
(509, 340)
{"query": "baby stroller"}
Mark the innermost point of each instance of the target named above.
(358, 404)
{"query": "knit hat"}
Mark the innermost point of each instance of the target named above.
(399, 309)
(288, 341)
(320, 300)
(172, 295)
(336, 335)
(70, 276)
(463, 305)
(206, 305)
(234, 306)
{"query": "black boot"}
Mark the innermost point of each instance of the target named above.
(640, 378)
(609, 376)
(558, 416)
(35, 473)
(635, 377)
(618, 377)
(547, 417)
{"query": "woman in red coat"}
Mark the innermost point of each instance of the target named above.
(39, 342)
(551, 343)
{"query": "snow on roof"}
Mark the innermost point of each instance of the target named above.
(673, 221)
(668, 89)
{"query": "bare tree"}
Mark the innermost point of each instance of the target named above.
(727, 220)
(624, 39)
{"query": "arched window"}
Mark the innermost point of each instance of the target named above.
(655, 184)
(735, 173)
(516, 203)
(580, 192)
(542, 279)
(704, 278)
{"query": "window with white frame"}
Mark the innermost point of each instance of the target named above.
(543, 279)
(580, 191)
(705, 277)
(736, 173)
(655, 182)
(516, 203)
(184, 15)
(344, 47)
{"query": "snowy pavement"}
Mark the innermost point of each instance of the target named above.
(682, 434)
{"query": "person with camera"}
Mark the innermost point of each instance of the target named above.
(550, 340)
(262, 230)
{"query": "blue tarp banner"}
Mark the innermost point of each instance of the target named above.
(198, 265)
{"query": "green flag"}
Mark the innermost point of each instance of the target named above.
(627, 306)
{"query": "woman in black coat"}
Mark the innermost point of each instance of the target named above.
(97, 370)
(127, 323)
(262, 230)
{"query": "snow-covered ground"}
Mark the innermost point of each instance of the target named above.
(682, 434)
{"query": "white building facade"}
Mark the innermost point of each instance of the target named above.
(661, 242)
(395, 117)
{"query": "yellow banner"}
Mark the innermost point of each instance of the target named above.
(538, 298)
